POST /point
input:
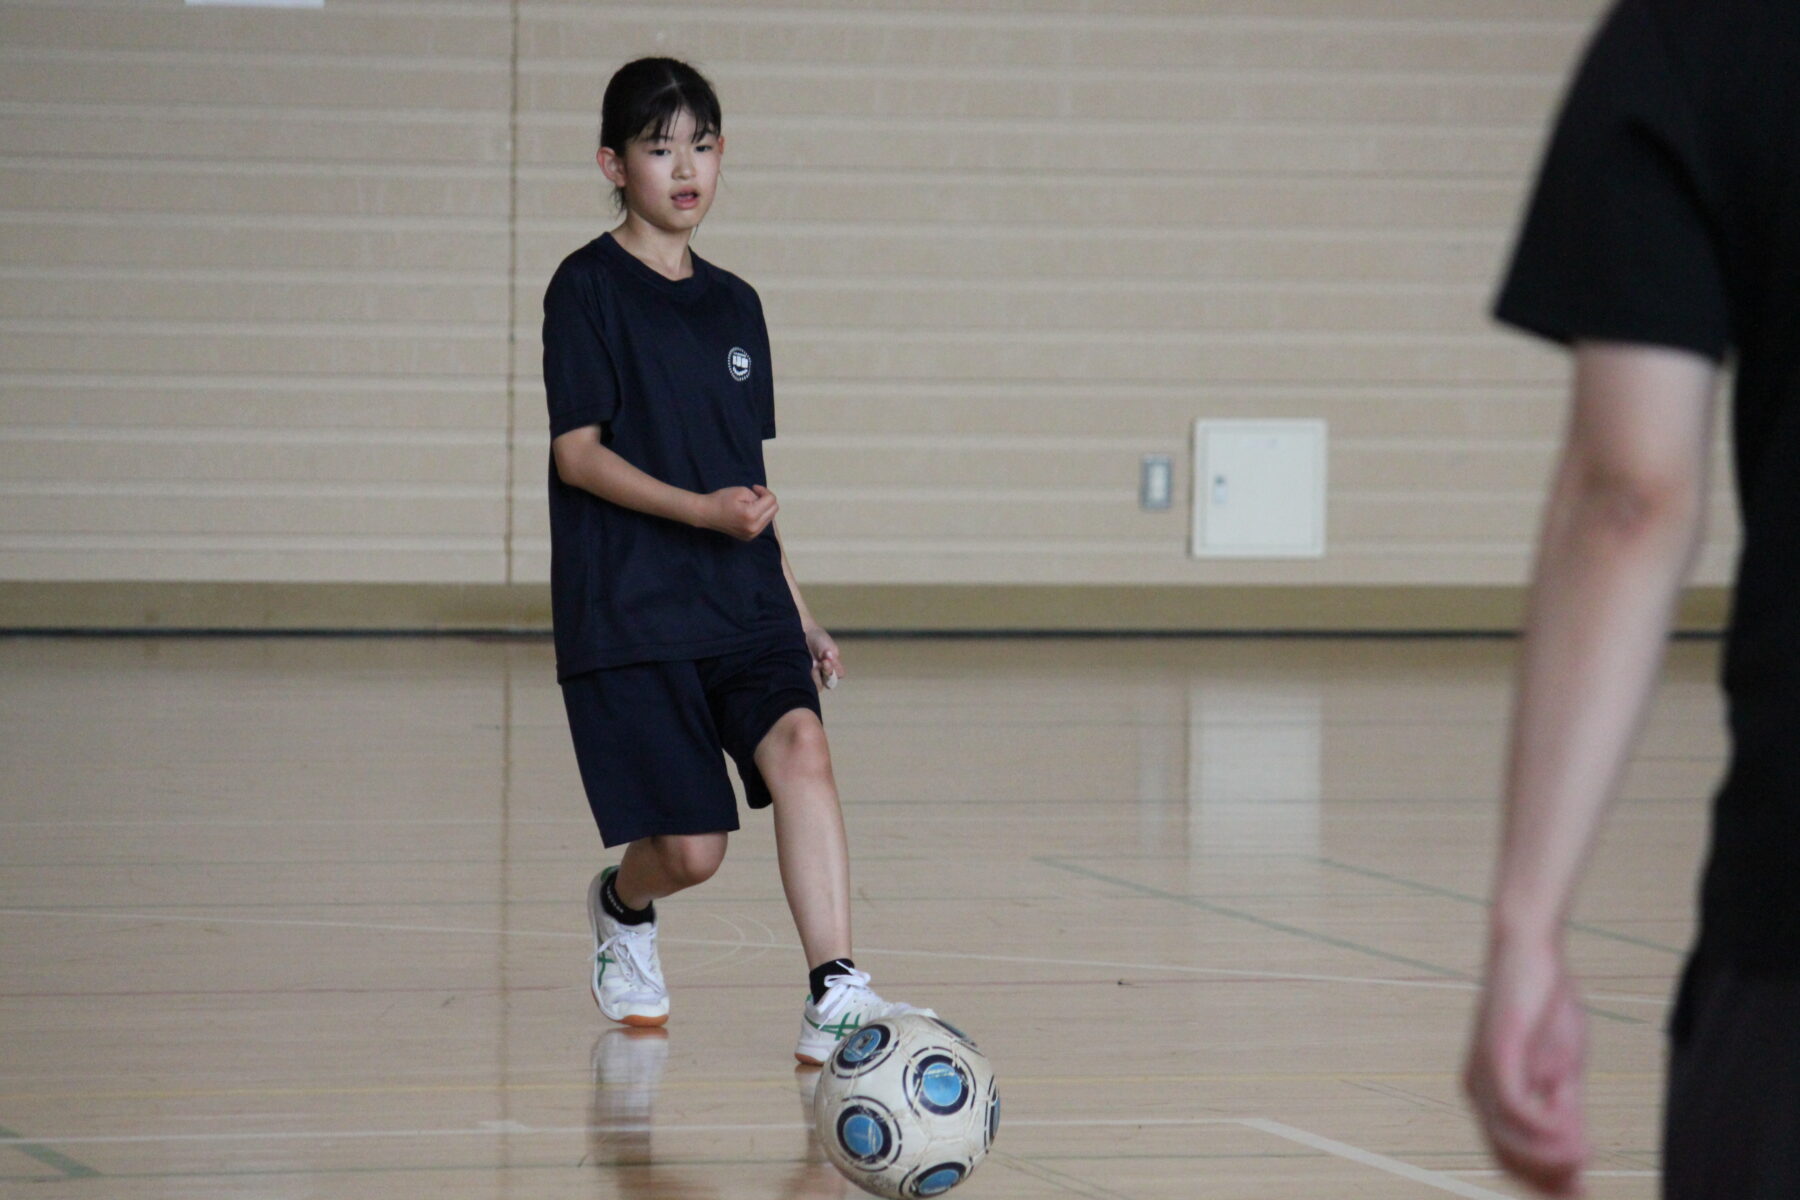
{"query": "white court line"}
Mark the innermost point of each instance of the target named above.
(1369, 1158)
(1440, 1180)
(1450, 985)
(551, 1130)
(1491, 1173)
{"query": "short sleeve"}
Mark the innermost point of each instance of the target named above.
(765, 378)
(580, 383)
(1617, 242)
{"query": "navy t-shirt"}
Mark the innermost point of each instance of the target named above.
(1668, 212)
(676, 375)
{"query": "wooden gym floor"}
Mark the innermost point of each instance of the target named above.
(303, 918)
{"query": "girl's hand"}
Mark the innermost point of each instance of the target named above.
(1526, 1067)
(739, 512)
(828, 667)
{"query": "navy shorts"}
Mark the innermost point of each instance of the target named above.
(1734, 1087)
(651, 738)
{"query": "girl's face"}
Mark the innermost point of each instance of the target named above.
(669, 181)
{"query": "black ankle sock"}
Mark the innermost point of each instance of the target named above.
(816, 978)
(615, 907)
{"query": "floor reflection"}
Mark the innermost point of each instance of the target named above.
(814, 1178)
(628, 1067)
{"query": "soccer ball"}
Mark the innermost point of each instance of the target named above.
(906, 1107)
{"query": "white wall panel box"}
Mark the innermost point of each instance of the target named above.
(1259, 489)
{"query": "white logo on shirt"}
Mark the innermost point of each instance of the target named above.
(739, 363)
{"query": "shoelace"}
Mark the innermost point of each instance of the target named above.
(838, 998)
(626, 946)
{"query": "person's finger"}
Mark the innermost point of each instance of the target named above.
(1546, 1174)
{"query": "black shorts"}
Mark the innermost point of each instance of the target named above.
(649, 736)
(1731, 1127)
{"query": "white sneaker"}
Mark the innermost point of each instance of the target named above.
(628, 981)
(849, 1004)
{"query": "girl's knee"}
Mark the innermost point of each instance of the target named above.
(797, 742)
(691, 860)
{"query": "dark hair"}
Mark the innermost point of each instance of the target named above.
(647, 96)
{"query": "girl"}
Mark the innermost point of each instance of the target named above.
(680, 631)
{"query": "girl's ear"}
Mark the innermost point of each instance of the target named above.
(612, 165)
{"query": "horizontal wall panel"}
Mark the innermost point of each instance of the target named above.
(1148, 356)
(813, 514)
(973, 563)
(203, 560)
(1149, 410)
(134, 241)
(222, 297)
(978, 43)
(989, 466)
(1157, 416)
(328, 352)
(1078, 306)
(267, 80)
(926, 94)
(1218, 358)
(417, 32)
(246, 457)
(1050, 145)
(121, 510)
(169, 403)
(1039, 258)
(127, 131)
(1500, 15)
(113, 185)
(754, 195)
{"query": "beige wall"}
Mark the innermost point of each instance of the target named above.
(259, 269)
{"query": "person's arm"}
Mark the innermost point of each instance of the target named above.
(828, 664)
(1624, 520)
(583, 462)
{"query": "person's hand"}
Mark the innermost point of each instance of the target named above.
(1525, 1068)
(828, 666)
(739, 512)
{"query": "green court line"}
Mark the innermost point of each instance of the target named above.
(1432, 889)
(1310, 935)
(1240, 915)
(65, 1166)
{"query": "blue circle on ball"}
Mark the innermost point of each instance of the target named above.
(941, 1083)
(863, 1134)
(861, 1044)
(938, 1180)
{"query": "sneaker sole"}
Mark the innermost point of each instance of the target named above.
(640, 1020)
(815, 1053)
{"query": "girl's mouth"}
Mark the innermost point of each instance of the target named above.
(686, 199)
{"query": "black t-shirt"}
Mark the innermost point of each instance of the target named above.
(1668, 212)
(676, 375)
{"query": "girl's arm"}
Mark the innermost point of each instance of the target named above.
(1619, 534)
(581, 461)
(828, 665)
